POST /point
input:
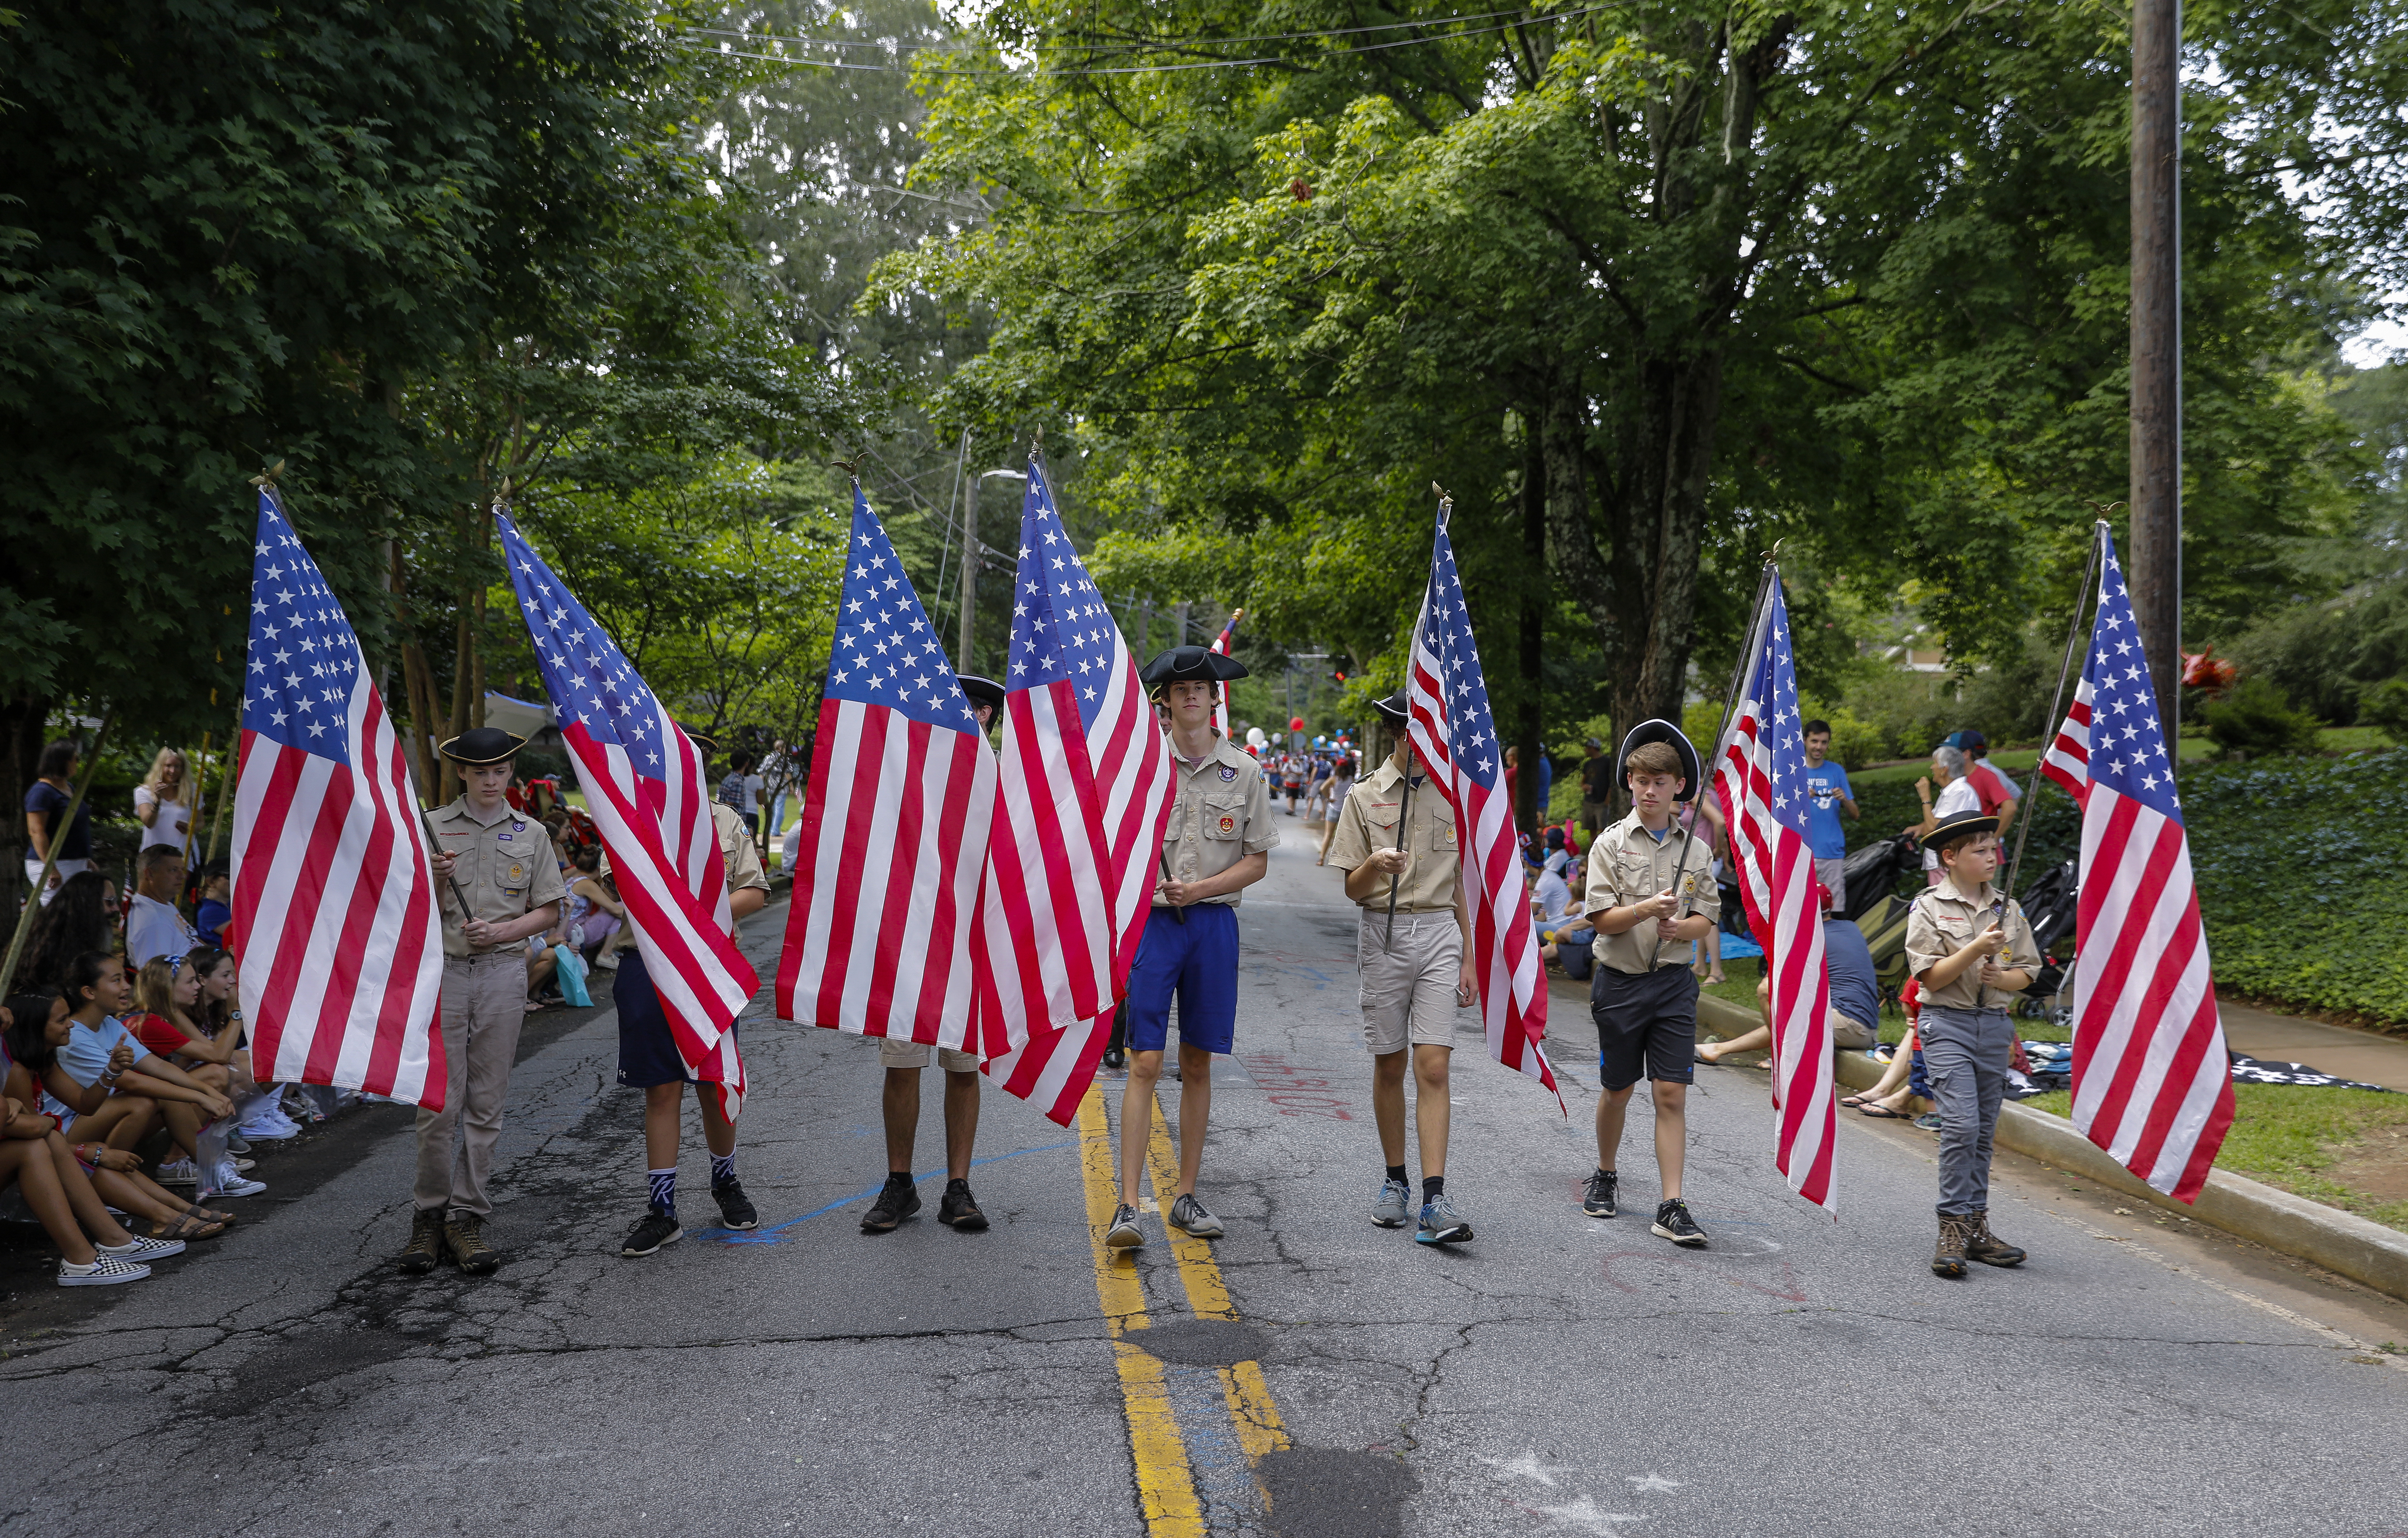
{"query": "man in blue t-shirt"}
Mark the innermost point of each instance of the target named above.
(1827, 785)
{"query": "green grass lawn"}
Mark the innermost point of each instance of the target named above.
(2292, 1137)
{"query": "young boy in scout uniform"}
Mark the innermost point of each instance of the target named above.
(648, 1059)
(1416, 974)
(1642, 994)
(1957, 933)
(1218, 842)
(497, 883)
(903, 1061)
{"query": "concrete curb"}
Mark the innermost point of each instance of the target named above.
(2362, 1250)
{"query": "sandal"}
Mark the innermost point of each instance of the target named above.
(1883, 1112)
(223, 1219)
(185, 1226)
(1855, 1102)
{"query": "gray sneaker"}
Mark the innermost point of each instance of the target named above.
(1395, 1203)
(1124, 1233)
(1441, 1224)
(1189, 1215)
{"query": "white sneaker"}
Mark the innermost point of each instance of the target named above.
(105, 1271)
(270, 1126)
(230, 1182)
(138, 1248)
(179, 1173)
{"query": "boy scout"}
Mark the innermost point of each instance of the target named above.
(498, 864)
(1218, 841)
(1955, 935)
(903, 1061)
(1642, 994)
(1415, 974)
(648, 1059)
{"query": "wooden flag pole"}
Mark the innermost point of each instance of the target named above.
(51, 859)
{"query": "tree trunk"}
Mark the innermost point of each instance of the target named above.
(22, 718)
(1527, 807)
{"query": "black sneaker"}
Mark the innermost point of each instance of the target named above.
(894, 1203)
(735, 1210)
(1602, 1187)
(959, 1211)
(1673, 1222)
(657, 1231)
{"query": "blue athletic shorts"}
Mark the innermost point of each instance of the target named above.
(1198, 962)
(648, 1052)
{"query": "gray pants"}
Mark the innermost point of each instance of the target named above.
(1967, 1052)
(484, 1003)
(1832, 871)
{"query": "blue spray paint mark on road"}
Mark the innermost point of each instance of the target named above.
(776, 1232)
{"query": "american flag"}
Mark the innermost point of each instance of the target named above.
(1221, 692)
(1759, 770)
(1086, 792)
(336, 932)
(645, 790)
(894, 822)
(2152, 1084)
(1457, 737)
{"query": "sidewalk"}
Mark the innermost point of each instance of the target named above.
(2326, 1049)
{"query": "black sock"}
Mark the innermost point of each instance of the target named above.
(1433, 1187)
(1397, 1173)
(897, 1179)
(723, 1169)
(1602, 1170)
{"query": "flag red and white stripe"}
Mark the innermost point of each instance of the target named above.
(644, 788)
(1452, 730)
(894, 822)
(2152, 1079)
(1759, 774)
(337, 941)
(1085, 792)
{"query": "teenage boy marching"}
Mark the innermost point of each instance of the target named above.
(1970, 950)
(1218, 842)
(1642, 994)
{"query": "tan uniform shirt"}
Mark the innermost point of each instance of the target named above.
(1627, 865)
(1941, 921)
(1368, 823)
(506, 867)
(736, 855)
(1222, 814)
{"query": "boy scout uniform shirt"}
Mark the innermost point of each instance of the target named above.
(1368, 824)
(1627, 865)
(736, 853)
(1222, 814)
(1942, 921)
(506, 867)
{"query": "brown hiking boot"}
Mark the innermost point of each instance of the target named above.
(1987, 1247)
(465, 1237)
(1949, 1255)
(424, 1251)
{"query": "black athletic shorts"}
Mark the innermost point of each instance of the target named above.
(647, 1050)
(1646, 1025)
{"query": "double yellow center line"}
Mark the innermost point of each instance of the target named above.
(1165, 1480)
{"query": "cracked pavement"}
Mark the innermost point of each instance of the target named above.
(1557, 1376)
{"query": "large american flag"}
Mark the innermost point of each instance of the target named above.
(2152, 1083)
(644, 789)
(894, 822)
(1759, 770)
(1086, 790)
(337, 940)
(1457, 737)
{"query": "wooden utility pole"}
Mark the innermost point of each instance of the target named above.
(2152, 559)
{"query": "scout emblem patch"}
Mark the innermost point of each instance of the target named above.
(1227, 774)
(1446, 836)
(518, 873)
(1228, 824)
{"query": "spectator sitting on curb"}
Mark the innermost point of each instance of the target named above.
(76, 920)
(1564, 934)
(1889, 1099)
(215, 908)
(154, 926)
(121, 1090)
(1853, 1016)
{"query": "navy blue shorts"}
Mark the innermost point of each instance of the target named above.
(1196, 961)
(648, 1053)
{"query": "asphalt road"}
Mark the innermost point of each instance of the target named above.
(1558, 1375)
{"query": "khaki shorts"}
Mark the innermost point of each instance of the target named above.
(1409, 985)
(898, 1053)
(1849, 1035)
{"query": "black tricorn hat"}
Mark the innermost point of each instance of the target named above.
(482, 745)
(1958, 824)
(985, 692)
(1189, 664)
(1659, 731)
(1397, 708)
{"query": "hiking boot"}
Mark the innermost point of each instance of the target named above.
(1600, 1199)
(899, 1200)
(1189, 1217)
(465, 1237)
(1673, 1222)
(1441, 1224)
(1948, 1254)
(1987, 1247)
(657, 1231)
(424, 1251)
(958, 1210)
(1124, 1233)
(735, 1210)
(1395, 1201)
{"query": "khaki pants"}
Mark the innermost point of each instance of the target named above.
(484, 1002)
